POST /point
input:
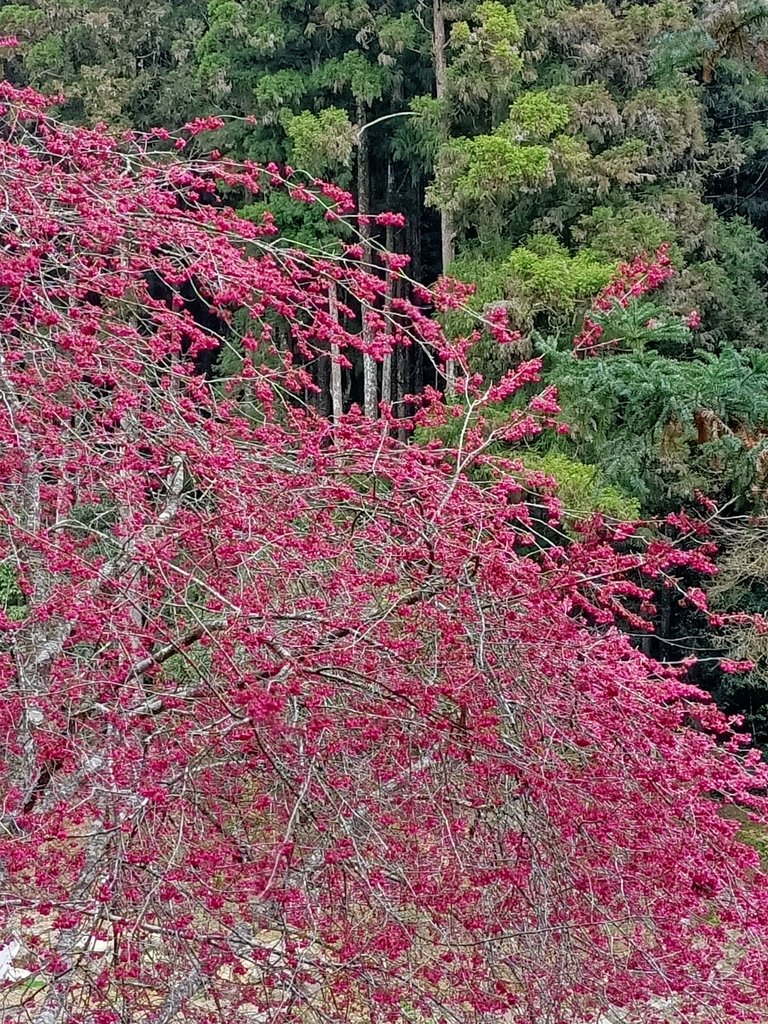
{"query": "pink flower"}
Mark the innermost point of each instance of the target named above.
(735, 667)
(389, 219)
(203, 124)
(693, 320)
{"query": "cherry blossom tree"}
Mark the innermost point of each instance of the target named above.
(299, 722)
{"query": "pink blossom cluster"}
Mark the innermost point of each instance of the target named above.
(497, 322)
(633, 280)
(203, 124)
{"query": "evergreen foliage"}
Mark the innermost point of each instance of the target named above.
(662, 427)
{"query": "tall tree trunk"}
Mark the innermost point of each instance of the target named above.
(337, 403)
(386, 378)
(370, 390)
(447, 229)
(665, 624)
(403, 375)
(386, 369)
(413, 236)
(323, 398)
(406, 357)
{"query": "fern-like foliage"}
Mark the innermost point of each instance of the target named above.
(661, 427)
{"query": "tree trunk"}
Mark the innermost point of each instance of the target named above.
(665, 624)
(403, 374)
(337, 403)
(413, 237)
(323, 397)
(386, 380)
(447, 229)
(386, 369)
(370, 390)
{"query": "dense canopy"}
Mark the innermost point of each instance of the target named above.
(300, 721)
